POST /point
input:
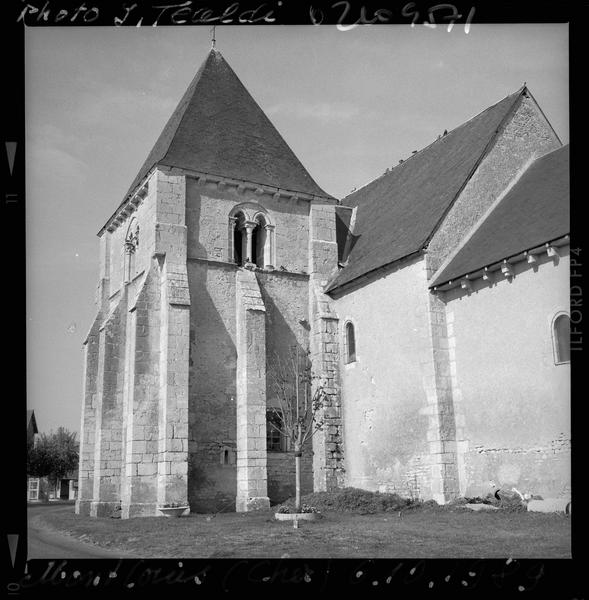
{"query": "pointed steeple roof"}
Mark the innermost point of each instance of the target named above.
(219, 129)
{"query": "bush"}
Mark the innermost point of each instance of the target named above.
(489, 499)
(352, 500)
(364, 502)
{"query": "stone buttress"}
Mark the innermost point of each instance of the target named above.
(134, 441)
(328, 463)
(252, 486)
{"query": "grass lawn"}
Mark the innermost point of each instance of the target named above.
(426, 532)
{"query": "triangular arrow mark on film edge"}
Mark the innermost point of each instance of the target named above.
(12, 545)
(11, 153)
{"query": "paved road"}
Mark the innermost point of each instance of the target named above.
(44, 543)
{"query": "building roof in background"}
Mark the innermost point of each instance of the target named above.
(534, 211)
(343, 216)
(398, 212)
(31, 420)
(219, 129)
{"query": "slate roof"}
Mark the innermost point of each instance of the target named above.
(219, 129)
(399, 212)
(534, 211)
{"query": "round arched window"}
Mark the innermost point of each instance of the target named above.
(349, 343)
(561, 338)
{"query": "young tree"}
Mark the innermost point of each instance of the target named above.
(299, 397)
(53, 456)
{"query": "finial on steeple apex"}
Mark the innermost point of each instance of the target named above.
(213, 40)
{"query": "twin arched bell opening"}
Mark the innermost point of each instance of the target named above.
(252, 239)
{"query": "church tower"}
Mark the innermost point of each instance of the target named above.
(213, 265)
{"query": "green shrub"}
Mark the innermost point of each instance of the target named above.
(354, 500)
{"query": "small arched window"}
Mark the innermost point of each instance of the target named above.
(349, 343)
(227, 455)
(561, 338)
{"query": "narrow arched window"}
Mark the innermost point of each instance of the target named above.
(349, 343)
(561, 338)
(238, 238)
(130, 246)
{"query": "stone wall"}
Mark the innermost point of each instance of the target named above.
(207, 216)
(385, 393)
(285, 297)
(213, 334)
(281, 474)
(213, 372)
(515, 401)
(212, 388)
(144, 215)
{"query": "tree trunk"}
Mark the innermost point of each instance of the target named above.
(297, 477)
(298, 484)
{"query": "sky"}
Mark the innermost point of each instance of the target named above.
(350, 104)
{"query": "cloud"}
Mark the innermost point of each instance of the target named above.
(320, 111)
